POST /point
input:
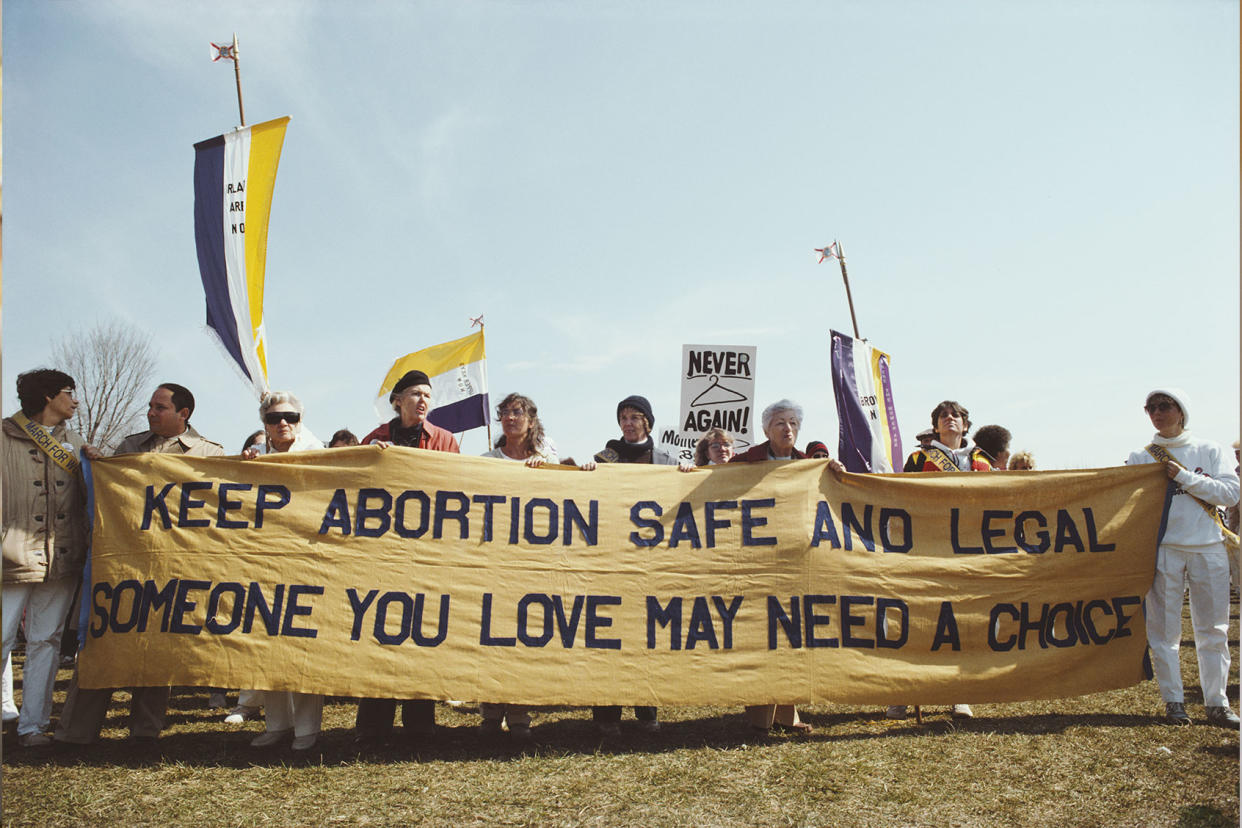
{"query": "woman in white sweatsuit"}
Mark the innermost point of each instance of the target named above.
(287, 712)
(1193, 549)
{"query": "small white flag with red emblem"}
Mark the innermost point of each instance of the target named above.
(829, 252)
(226, 51)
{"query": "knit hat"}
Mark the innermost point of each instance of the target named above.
(410, 379)
(814, 446)
(1178, 396)
(640, 404)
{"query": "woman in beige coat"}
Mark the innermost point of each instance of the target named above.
(45, 534)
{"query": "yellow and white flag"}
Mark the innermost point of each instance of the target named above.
(458, 374)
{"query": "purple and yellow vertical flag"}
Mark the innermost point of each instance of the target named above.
(234, 176)
(862, 384)
(458, 374)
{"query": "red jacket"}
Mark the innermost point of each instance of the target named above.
(433, 437)
(758, 453)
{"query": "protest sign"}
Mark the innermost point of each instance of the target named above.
(717, 391)
(405, 573)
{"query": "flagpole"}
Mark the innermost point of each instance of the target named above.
(848, 295)
(487, 415)
(241, 112)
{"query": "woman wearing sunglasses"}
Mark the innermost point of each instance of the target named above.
(1191, 549)
(298, 713)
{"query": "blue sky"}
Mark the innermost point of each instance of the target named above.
(1039, 203)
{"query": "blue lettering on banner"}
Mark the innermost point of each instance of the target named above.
(803, 624)
(702, 625)
(539, 521)
(552, 622)
(188, 502)
(946, 628)
(1029, 531)
(409, 612)
(863, 528)
(132, 605)
(1096, 621)
(595, 622)
(224, 506)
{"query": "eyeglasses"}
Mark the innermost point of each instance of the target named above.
(517, 413)
(1164, 405)
(73, 394)
(274, 417)
(720, 446)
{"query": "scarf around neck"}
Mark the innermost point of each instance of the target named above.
(631, 452)
(402, 436)
(1182, 439)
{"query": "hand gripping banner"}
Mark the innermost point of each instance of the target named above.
(405, 573)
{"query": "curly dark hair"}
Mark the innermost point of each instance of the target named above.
(534, 428)
(993, 439)
(35, 388)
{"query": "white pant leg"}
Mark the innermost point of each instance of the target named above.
(46, 607)
(277, 710)
(250, 698)
(13, 600)
(1209, 614)
(10, 706)
(307, 713)
(1164, 621)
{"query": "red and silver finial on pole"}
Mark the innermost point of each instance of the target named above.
(230, 52)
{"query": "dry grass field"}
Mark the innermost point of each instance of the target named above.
(1104, 759)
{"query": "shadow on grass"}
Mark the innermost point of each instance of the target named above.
(1202, 816)
(560, 737)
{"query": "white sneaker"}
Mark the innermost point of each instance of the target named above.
(240, 714)
(895, 711)
(1222, 717)
(963, 711)
(269, 738)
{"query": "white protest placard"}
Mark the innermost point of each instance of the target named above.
(717, 390)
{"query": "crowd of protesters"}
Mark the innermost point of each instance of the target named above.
(45, 538)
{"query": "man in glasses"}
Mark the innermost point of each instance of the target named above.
(170, 432)
(1191, 549)
(411, 400)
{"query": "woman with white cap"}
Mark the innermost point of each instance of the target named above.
(299, 715)
(1191, 549)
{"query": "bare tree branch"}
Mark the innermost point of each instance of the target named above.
(113, 364)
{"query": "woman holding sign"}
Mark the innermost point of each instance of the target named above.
(523, 441)
(287, 712)
(45, 537)
(1191, 549)
(635, 417)
(782, 420)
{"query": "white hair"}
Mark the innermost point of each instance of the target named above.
(272, 398)
(769, 413)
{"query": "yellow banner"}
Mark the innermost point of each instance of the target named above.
(403, 573)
